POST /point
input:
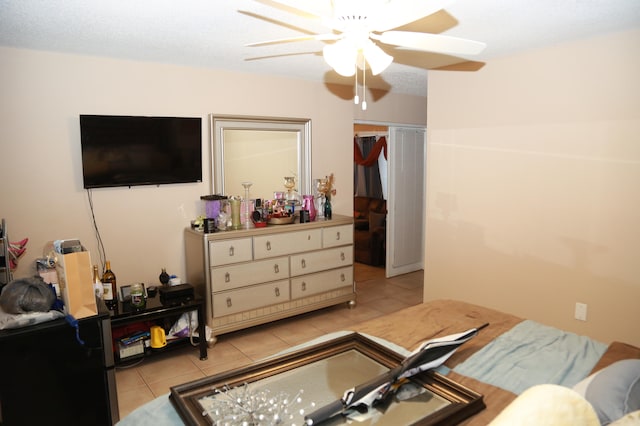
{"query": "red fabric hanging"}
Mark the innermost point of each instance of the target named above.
(372, 158)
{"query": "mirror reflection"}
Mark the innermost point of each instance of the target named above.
(260, 150)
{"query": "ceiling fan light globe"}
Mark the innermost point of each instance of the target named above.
(341, 58)
(377, 59)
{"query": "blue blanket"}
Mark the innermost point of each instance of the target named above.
(530, 354)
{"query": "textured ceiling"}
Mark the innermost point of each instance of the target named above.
(213, 33)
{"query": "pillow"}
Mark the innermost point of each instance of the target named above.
(548, 405)
(376, 220)
(613, 391)
(631, 419)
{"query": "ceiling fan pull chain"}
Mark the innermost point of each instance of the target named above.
(356, 98)
(364, 84)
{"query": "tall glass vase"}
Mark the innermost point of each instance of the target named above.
(247, 208)
(319, 186)
(308, 204)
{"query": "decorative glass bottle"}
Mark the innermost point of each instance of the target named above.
(327, 208)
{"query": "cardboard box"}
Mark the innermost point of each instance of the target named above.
(127, 351)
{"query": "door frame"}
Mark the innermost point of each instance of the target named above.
(390, 217)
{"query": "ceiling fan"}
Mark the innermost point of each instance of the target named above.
(356, 25)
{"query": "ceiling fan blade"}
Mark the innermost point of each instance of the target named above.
(313, 9)
(321, 37)
(431, 42)
(401, 12)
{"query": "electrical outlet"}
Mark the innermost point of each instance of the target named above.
(581, 311)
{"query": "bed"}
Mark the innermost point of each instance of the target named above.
(442, 317)
(507, 348)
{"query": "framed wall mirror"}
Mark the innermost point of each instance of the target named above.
(260, 150)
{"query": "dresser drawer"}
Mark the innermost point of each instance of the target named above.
(335, 236)
(248, 298)
(239, 275)
(307, 263)
(281, 244)
(308, 285)
(229, 251)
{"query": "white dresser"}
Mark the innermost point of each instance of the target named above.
(253, 276)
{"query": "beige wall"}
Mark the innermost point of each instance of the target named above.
(41, 193)
(533, 186)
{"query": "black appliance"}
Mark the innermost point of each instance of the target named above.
(47, 377)
(122, 150)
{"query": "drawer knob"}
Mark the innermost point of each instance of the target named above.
(277, 292)
(338, 235)
(268, 245)
(303, 263)
(304, 286)
(227, 277)
(308, 237)
(231, 251)
(342, 278)
(228, 302)
(342, 257)
(276, 268)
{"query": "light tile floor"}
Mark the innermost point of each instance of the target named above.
(154, 376)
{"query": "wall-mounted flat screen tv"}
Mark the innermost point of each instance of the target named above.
(132, 150)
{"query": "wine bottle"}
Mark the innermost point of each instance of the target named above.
(110, 295)
(97, 283)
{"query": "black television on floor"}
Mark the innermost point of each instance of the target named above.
(119, 150)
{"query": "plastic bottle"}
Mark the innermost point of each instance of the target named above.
(110, 295)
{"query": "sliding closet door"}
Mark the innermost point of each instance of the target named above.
(405, 224)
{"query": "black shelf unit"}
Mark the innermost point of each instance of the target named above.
(159, 309)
